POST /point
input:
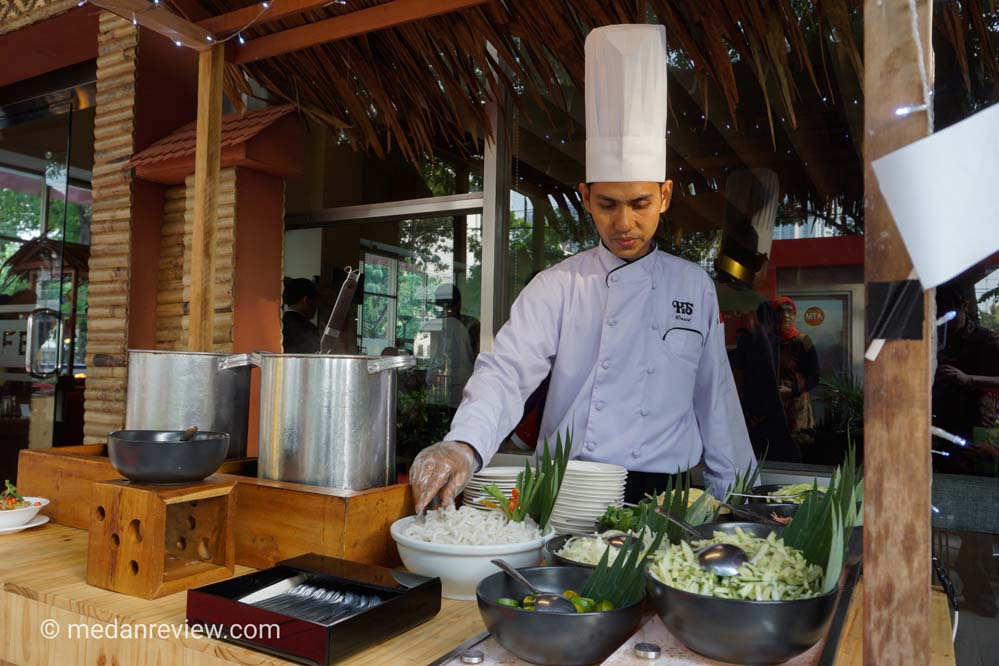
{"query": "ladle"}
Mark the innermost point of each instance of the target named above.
(545, 602)
(722, 559)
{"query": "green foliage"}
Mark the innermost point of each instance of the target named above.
(622, 583)
(745, 481)
(537, 490)
(822, 526)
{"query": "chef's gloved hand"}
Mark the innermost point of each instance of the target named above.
(443, 468)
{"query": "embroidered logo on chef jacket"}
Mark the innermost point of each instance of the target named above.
(684, 310)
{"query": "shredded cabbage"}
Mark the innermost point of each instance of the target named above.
(775, 572)
(471, 527)
(589, 549)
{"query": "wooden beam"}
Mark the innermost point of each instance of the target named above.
(356, 23)
(230, 22)
(897, 385)
(206, 180)
(160, 20)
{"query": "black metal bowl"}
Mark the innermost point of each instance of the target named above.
(555, 544)
(159, 457)
(742, 632)
(554, 639)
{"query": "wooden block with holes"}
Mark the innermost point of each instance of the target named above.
(149, 541)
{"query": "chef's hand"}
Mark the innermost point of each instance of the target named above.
(443, 468)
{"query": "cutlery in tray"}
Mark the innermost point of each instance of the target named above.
(315, 609)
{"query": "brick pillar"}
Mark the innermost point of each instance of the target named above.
(114, 129)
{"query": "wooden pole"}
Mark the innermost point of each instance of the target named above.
(897, 385)
(206, 182)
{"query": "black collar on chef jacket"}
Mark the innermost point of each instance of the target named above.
(639, 268)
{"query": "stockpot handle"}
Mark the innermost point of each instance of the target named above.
(240, 360)
(390, 363)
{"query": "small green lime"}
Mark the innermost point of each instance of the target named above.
(605, 606)
(506, 601)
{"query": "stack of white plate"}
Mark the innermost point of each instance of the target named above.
(587, 490)
(505, 479)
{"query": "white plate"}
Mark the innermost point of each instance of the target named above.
(590, 466)
(34, 522)
(493, 472)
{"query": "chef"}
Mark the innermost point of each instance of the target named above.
(630, 334)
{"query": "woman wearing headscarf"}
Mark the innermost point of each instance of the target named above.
(798, 370)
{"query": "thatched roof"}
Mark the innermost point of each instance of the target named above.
(771, 79)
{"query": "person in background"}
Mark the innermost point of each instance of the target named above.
(755, 366)
(798, 371)
(964, 403)
(452, 350)
(299, 334)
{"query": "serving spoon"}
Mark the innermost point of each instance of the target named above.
(721, 559)
(188, 434)
(749, 515)
(545, 602)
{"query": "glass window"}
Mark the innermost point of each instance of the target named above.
(420, 294)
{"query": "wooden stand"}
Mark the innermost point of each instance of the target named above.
(149, 541)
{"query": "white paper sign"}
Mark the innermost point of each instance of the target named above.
(943, 192)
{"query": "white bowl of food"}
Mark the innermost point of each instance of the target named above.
(20, 511)
(461, 566)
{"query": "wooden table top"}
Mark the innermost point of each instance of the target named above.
(43, 570)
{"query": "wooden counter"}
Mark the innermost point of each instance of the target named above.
(43, 571)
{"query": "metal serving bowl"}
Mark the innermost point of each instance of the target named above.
(159, 457)
(742, 632)
(554, 639)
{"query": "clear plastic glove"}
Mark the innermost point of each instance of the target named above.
(444, 469)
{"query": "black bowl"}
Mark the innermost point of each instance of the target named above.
(159, 457)
(742, 632)
(759, 530)
(554, 639)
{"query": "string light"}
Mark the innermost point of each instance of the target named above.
(135, 21)
(178, 43)
(240, 38)
(903, 111)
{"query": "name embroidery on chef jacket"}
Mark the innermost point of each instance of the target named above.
(684, 310)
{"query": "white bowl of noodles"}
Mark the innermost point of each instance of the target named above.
(461, 566)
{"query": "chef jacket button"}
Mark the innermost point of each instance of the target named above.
(635, 453)
(590, 446)
(598, 405)
(644, 412)
(653, 285)
(613, 278)
(650, 369)
(612, 322)
(655, 327)
(605, 365)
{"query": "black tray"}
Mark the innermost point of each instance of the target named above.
(361, 605)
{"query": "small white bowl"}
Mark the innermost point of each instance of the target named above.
(18, 517)
(461, 567)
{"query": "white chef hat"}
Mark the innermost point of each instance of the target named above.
(626, 103)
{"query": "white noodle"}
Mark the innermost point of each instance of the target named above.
(471, 527)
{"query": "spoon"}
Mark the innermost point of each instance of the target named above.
(188, 434)
(545, 602)
(739, 511)
(721, 559)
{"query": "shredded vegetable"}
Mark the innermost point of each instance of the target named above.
(471, 527)
(799, 490)
(589, 549)
(775, 572)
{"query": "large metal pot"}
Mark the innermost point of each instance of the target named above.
(328, 420)
(170, 390)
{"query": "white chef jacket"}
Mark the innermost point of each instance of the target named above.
(639, 369)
